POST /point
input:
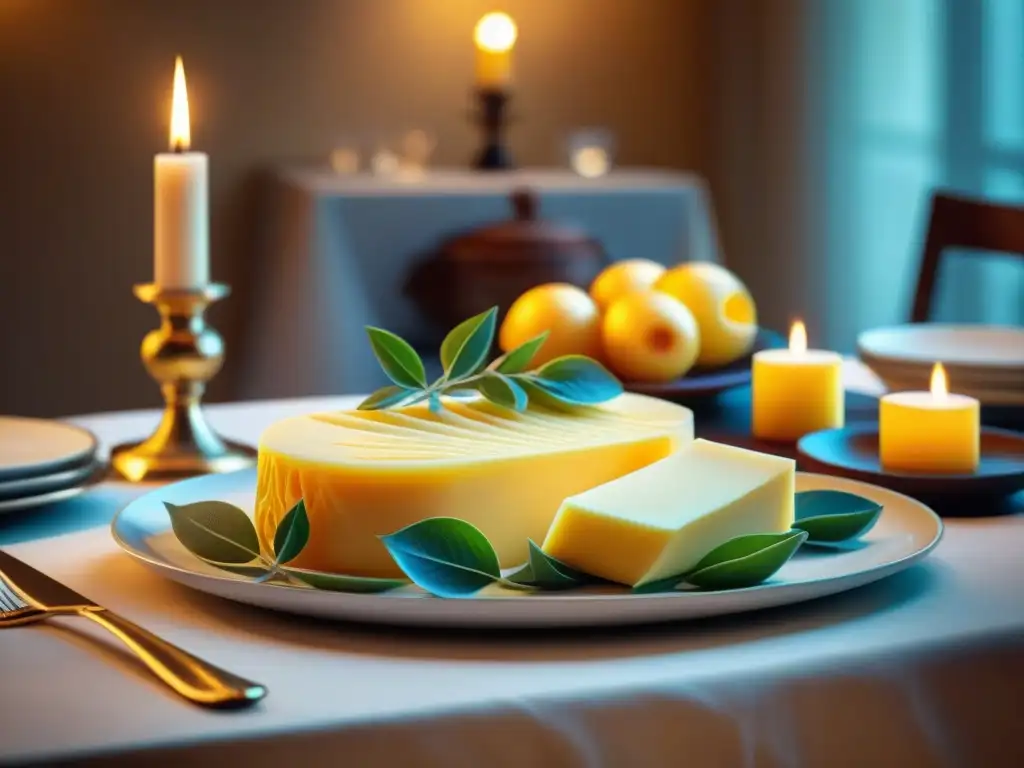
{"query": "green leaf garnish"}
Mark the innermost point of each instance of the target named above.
(565, 383)
(504, 391)
(577, 380)
(336, 582)
(445, 556)
(398, 359)
(292, 533)
(519, 358)
(385, 397)
(545, 572)
(464, 350)
(744, 561)
(834, 516)
(215, 531)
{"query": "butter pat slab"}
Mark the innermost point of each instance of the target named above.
(365, 474)
(659, 521)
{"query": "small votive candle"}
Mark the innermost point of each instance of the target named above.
(929, 431)
(796, 391)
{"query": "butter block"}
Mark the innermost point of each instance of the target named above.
(661, 520)
(364, 474)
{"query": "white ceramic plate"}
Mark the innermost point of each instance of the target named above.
(906, 532)
(995, 378)
(901, 381)
(37, 486)
(28, 502)
(34, 447)
(984, 346)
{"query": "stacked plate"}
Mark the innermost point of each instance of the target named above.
(983, 361)
(42, 462)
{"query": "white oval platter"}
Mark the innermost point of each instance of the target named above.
(906, 531)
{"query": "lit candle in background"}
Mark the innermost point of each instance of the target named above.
(495, 34)
(590, 162)
(930, 431)
(180, 208)
(796, 391)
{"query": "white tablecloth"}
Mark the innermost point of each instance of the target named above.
(337, 250)
(923, 669)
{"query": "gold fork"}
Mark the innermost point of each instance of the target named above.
(14, 611)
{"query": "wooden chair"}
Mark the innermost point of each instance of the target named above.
(962, 222)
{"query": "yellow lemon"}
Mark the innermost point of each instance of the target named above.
(649, 336)
(722, 306)
(569, 315)
(621, 278)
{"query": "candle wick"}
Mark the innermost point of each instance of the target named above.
(177, 148)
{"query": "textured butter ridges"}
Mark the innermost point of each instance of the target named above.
(463, 431)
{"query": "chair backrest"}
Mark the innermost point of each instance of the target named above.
(962, 222)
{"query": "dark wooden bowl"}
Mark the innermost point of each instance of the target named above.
(853, 452)
(707, 382)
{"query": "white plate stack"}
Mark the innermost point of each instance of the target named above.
(983, 361)
(43, 461)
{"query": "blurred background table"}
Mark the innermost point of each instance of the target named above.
(337, 249)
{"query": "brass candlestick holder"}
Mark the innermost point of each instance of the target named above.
(493, 119)
(182, 355)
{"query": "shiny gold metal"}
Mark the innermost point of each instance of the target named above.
(34, 596)
(183, 354)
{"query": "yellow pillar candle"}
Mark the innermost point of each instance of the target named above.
(929, 431)
(796, 390)
(495, 34)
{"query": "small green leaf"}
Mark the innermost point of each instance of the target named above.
(833, 516)
(292, 533)
(545, 572)
(503, 391)
(335, 582)
(539, 396)
(385, 397)
(445, 556)
(745, 561)
(519, 358)
(399, 360)
(464, 350)
(215, 531)
(578, 380)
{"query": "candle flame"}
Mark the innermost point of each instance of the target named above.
(939, 383)
(495, 32)
(181, 134)
(798, 337)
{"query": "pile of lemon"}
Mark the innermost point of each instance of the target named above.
(645, 322)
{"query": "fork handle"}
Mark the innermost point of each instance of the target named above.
(193, 678)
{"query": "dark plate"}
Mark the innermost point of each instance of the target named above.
(853, 452)
(707, 382)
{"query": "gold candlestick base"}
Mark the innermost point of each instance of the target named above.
(182, 355)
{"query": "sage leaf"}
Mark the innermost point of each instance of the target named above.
(578, 380)
(445, 556)
(834, 516)
(464, 350)
(292, 533)
(518, 360)
(385, 397)
(545, 572)
(336, 582)
(399, 360)
(503, 391)
(745, 561)
(215, 531)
